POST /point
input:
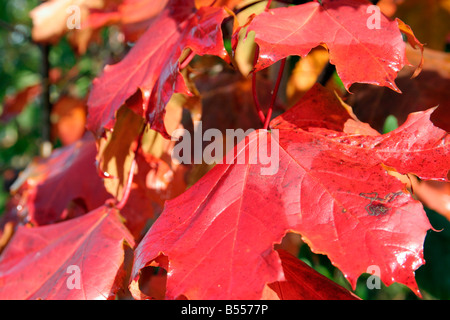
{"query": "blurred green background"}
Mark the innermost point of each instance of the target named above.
(19, 68)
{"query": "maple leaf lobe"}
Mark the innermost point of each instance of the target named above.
(152, 65)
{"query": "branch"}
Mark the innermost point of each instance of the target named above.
(46, 146)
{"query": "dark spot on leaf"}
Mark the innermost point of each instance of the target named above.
(376, 209)
(377, 205)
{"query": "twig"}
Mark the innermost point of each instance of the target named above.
(274, 94)
(326, 74)
(254, 93)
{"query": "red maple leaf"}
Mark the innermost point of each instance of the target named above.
(64, 185)
(42, 262)
(361, 54)
(152, 65)
(331, 186)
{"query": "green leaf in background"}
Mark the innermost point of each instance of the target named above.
(434, 276)
(390, 124)
(19, 67)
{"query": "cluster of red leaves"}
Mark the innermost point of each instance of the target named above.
(336, 182)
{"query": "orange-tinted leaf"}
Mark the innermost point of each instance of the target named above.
(14, 104)
(54, 18)
(412, 40)
(133, 16)
(156, 178)
(429, 19)
(218, 3)
(68, 119)
(434, 194)
(306, 73)
(6, 234)
(44, 262)
(116, 150)
(388, 7)
(11, 218)
(159, 180)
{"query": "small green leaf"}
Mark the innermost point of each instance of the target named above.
(390, 124)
